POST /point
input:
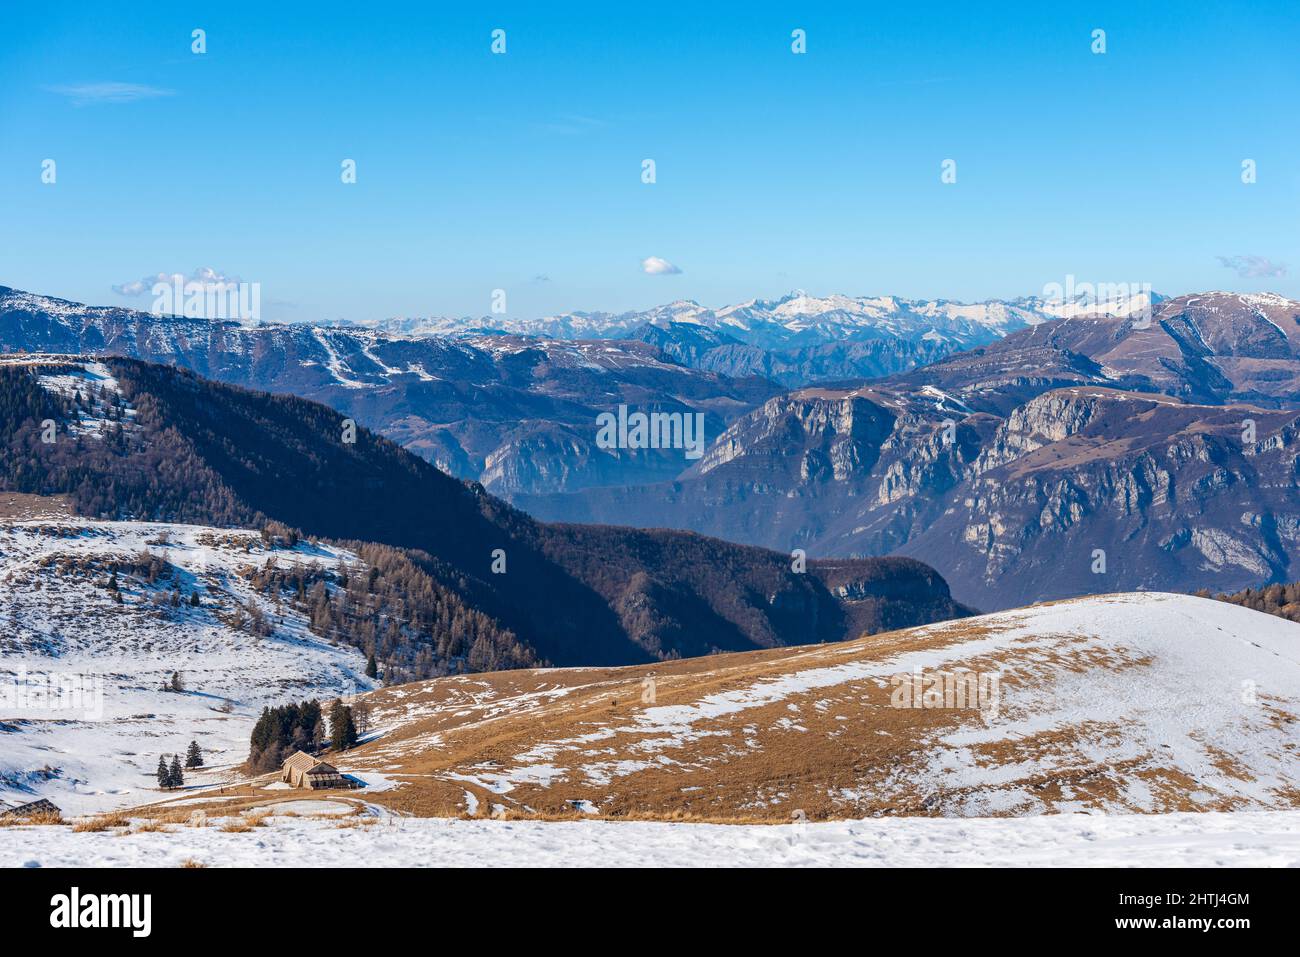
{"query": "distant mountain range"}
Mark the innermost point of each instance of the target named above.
(793, 320)
(797, 339)
(1162, 434)
(514, 413)
(512, 403)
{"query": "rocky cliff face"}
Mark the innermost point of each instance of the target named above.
(811, 438)
(1007, 467)
(1052, 417)
(1014, 511)
(1148, 493)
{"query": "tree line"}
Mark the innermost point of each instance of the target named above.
(392, 608)
(1280, 600)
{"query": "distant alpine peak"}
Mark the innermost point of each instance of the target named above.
(797, 314)
(1251, 299)
(807, 319)
(1118, 305)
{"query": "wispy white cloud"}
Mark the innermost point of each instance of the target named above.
(655, 266)
(204, 276)
(84, 94)
(1253, 267)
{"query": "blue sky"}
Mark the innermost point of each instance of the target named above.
(775, 171)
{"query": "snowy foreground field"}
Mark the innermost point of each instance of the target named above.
(61, 620)
(1252, 839)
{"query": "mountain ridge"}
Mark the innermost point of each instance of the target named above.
(168, 445)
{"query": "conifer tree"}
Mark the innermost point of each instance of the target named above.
(343, 731)
(174, 772)
(164, 775)
(336, 716)
(361, 716)
(372, 668)
(194, 757)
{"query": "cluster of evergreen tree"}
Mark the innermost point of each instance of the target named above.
(170, 775)
(281, 731)
(1280, 600)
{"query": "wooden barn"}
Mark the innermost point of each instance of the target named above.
(30, 809)
(302, 770)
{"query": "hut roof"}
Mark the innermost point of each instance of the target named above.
(301, 761)
(31, 807)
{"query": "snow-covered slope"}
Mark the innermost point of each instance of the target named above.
(62, 622)
(1243, 839)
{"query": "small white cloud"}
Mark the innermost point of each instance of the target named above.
(1253, 267)
(654, 266)
(83, 94)
(205, 276)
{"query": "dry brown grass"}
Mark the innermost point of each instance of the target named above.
(35, 819)
(151, 827)
(191, 862)
(355, 820)
(247, 822)
(172, 817)
(799, 767)
(17, 506)
(841, 751)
